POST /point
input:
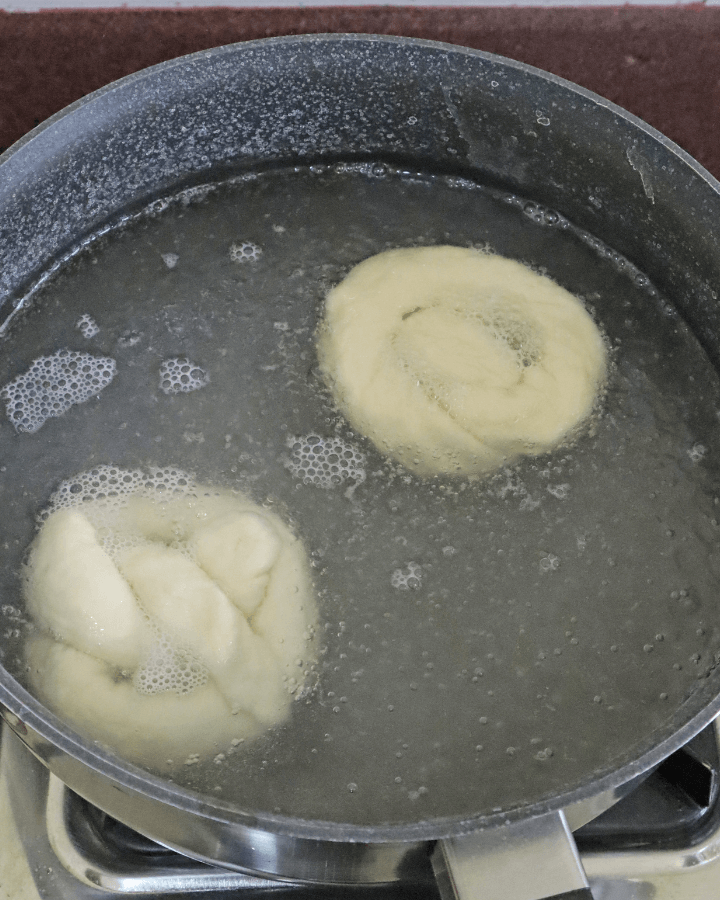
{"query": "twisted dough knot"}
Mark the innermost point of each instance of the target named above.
(169, 626)
(457, 361)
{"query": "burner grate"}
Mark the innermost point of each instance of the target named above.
(677, 807)
(661, 841)
(101, 852)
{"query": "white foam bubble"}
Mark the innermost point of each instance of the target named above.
(114, 485)
(53, 384)
(87, 326)
(180, 375)
(508, 485)
(325, 462)
(245, 252)
(102, 491)
(168, 668)
(170, 259)
(549, 563)
(407, 579)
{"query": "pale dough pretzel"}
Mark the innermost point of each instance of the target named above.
(457, 361)
(122, 586)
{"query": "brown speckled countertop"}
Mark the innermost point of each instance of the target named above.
(662, 63)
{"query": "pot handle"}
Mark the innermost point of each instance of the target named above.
(535, 859)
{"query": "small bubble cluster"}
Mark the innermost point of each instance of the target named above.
(245, 252)
(181, 376)
(541, 215)
(103, 490)
(53, 384)
(544, 755)
(545, 216)
(170, 259)
(407, 579)
(416, 795)
(108, 482)
(169, 669)
(507, 484)
(549, 563)
(87, 326)
(325, 462)
(617, 260)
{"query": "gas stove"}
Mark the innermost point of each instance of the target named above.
(662, 841)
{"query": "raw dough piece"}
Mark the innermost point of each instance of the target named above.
(167, 616)
(158, 730)
(75, 591)
(238, 550)
(197, 615)
(457, 361)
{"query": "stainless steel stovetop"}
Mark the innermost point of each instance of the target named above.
(660, 843)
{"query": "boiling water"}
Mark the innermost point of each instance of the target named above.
(486, 643)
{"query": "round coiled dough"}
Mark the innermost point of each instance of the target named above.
(170, 626)
(453, 360)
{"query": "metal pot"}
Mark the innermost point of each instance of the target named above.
(313, 101)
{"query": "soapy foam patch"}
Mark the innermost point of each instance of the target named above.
(168, 668)
(87, 326)
(325, 462)
(181, 376)
(245, 252)
(407, 579)
(53, 384)
(113, 483)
